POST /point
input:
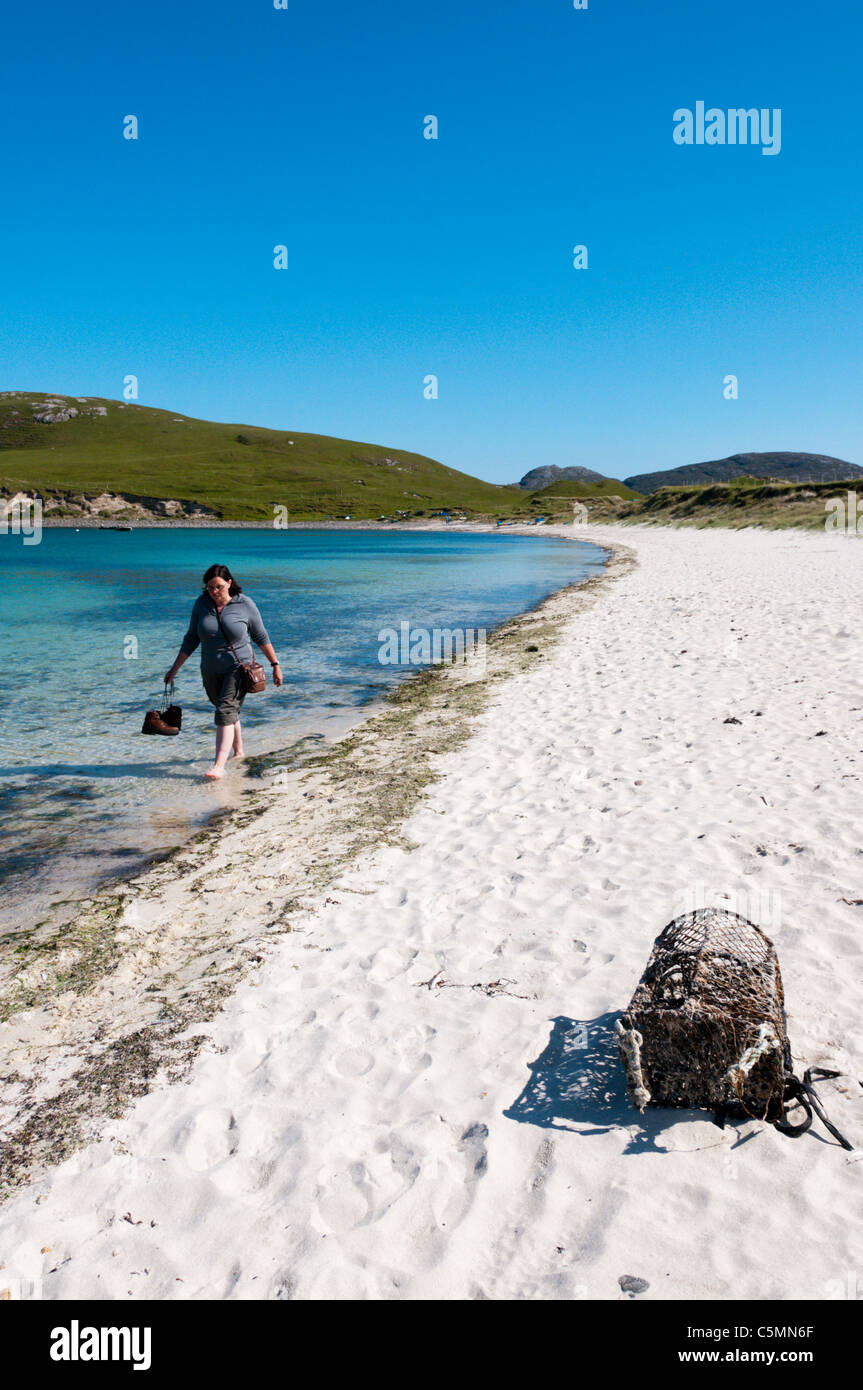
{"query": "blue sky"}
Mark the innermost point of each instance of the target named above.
(453, 257)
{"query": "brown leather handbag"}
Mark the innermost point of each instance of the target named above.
(254, 677)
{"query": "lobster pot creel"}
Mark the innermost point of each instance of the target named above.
(706, 1025)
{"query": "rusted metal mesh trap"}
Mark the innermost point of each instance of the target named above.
(706, 1025)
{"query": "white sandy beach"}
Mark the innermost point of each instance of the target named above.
(417, 1095)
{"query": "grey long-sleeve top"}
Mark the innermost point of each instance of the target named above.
(241, 621)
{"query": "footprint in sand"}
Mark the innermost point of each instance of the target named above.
(437, 1174)
(235, 1274)
(472, 1145)
(508, 1261)
(541, 1165)
(340, 1203)
(255, 1047)
(601, 958)
(389, 963)
(283, 1285)
(211, 1138)
(356, 1014)
(455, 1186)
(352, 1061)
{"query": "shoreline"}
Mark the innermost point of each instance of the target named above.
(411, 1090)
(54, 901)
(209, 524)
(99, 1062)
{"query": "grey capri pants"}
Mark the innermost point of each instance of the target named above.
(225, 691)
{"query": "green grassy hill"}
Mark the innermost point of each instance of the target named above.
(239, 471)
(576, 488)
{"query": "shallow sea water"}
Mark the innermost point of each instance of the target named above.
(92, 619)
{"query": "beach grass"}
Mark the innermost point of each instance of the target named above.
(742, 502)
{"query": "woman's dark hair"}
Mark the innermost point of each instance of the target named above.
(222, 572)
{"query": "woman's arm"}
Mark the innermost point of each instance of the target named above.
(178, 661)
(260, 635)
(267, 649)
(187, 646)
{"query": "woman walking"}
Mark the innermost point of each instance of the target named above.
(224, 617)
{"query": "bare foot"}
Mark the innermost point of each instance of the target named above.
(214, 773)
(238, 756)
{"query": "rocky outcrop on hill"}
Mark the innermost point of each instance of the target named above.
(541, 477)
(46, 410)
(107, 506)
(53, 413)
(788, 467)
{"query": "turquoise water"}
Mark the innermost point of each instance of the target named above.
(92, 619)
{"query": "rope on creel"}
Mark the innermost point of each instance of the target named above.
(764, 1043)
(630, 1041)
(795, 1090)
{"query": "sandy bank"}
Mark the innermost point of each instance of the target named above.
(97, 1002)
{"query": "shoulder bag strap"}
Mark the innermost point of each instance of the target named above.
(226, 637)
